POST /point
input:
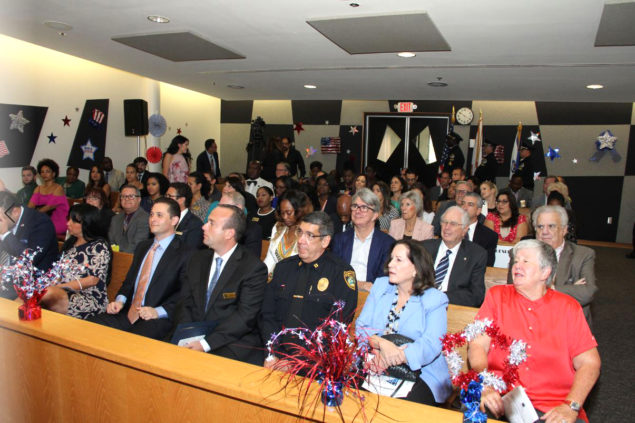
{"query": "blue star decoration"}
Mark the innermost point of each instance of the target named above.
(51, 138)
(89, 150)
(553, 153)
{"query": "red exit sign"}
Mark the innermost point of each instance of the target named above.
(406, 106)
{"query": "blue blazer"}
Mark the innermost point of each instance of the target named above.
(424, 319)
(380, 245)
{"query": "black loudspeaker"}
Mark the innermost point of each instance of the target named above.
(135, 116)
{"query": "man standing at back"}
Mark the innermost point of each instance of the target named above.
(207, 161)
(225, 285)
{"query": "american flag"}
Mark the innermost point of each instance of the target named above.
(330, 145)
(515, 158)
(4, 151)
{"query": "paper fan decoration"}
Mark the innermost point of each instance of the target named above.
(157, 125)
(154, 154)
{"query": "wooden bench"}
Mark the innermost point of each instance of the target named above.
(265, 248)
(121, 262)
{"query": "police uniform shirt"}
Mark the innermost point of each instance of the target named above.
(302, 294)
(455, 159)
(526, 171)
(487, 169)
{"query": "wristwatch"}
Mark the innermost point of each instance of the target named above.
(574, 405)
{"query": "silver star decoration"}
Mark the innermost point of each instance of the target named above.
(534, 137)
(575, 161)
(536, 176)
(353, 130)
(607, 140)
(18, 121)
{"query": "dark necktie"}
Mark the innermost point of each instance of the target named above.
(251, 182)
(442, 269)
(212, 284)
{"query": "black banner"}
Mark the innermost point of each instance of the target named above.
(89, 146)
(20, 128)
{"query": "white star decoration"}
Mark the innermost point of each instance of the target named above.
(353, 130)
(534, 137)
(18, 121)
(536, 176)
(607, 140)
(575, 161)
(89, 150)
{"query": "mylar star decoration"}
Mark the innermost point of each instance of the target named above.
(89, 150)
(534, 137)
(67, 121)
(353, 130)
(298, 127)
(51, 138)
(18, 121)
(606, 140)
(536, 176)
(310, 151)
(553, 153)
(178, 131)
(575, 161)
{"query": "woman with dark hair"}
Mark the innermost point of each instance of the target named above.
(49, 197)
(506, 221)
(310, 192)
(293, 205)
(271, 157)
(131, 179)
(97, 179)
(176, 160)
(234, 183)
(406, 303)
(200, 191)
(397, 187)
(156, 186)
(265, 216)
(282, 184)
(85, 296)
(386, 210)
(97, 198)
(361, 182)
(326, 202)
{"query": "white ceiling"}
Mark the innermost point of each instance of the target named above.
(501, 50)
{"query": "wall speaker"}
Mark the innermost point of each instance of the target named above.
(135, 114)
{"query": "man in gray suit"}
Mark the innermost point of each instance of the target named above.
(575, 275)
(129, 228)
(459, 264)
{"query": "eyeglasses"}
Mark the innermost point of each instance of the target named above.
(453, 224)
(502, 201)
(310, 236)
(129, 197)
(550, 227)
(174, 197)
(361, 207)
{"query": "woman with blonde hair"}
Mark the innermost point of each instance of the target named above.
(489, 191)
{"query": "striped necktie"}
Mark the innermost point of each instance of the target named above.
(212, 284)
(442, 269)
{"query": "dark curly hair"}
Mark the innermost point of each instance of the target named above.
(51, 165)
(513, 206)
(423, 263)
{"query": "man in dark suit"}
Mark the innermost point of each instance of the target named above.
(129, 228)
(22, 228)
(459, 264)
(225, 284)
(147, 299)
(342, 216)
(252, 235)
(478, 233)
(190, 227)
(440, 192)
(141, 163)
(207, 161)
(364, 247)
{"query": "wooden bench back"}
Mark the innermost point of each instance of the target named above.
(121, 262)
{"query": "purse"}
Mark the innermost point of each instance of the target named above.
(401, 371)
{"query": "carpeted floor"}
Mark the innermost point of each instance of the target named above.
(614, 329)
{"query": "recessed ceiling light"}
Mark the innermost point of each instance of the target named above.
(595, 86)
(437, 84)
(235, 87)
(158, 19)
(59, 26)
(310, 86)
(406, 54)
(353, 4)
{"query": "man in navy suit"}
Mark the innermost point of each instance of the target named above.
(342, 216)
(207, 161)
(22, 228)
(459, 264)
(147, 299)
(478, 233)
(190, 227)
(364, 247)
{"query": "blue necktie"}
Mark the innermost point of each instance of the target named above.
(442, 269)
(212, 284)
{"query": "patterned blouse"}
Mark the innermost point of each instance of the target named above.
(498, 223)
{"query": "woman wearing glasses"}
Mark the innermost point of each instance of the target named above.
(410, 225)
(506, 221)
(293, 205)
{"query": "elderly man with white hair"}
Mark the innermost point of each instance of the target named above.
(575, 274)
(563, 362)
(459, 264)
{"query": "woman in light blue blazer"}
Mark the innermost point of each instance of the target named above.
(405, 302)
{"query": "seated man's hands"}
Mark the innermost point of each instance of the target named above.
(560, 414)
(147, 313)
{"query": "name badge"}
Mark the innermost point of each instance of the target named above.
(229, 295)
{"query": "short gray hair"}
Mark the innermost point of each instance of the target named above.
(236, 199)
(459, 183)
(479, 200)
(136, 190)
(368, 197)
(415, 198)
(564, 217)
(546, 255)
(323, 221)
(464, 216)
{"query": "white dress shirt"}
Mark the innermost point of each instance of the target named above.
(359, 257)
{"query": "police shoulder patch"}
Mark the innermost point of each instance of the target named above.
(349, 278)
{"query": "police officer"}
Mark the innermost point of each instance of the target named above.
(488, 168)
(455, 156)
(304, 287)
(525, 168)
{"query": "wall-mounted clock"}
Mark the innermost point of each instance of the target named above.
(464, 116)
